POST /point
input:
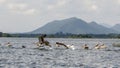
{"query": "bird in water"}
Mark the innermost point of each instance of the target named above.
(23, 46)
(58, 44)
(43, 42)
(85, 47)
(9, 44)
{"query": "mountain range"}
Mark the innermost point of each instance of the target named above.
(75, 26)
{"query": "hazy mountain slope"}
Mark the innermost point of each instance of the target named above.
(116, 27)
(101, 29)
(73, 25)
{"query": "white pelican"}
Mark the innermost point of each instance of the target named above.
(100, 46)
(71, 47)
(58, 44)
(42, 41)
(103, 46)
(116, 44)
(97, 46)
(85, 46)
(9, 44)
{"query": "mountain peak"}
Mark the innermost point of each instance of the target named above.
(117, 25)
(72, 18)
(93, 22)
(73, 25)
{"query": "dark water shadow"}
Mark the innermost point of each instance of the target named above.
(115, 50)
(42, 49)
(60, 49)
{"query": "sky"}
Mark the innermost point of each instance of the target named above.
(28, 15)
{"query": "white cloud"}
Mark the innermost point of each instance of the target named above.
(91, 4)
(30, 12)
(48, 10)
(94, 7)
(17, 6)
(2, 1)
(57, 4)
(21, 8)
(118, 1)
(50, 7)
(61, 3)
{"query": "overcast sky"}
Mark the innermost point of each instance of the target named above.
(28, 15)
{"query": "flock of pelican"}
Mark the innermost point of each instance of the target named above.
(97, 46)
(43, 43)
(58, 44)
(86, 47)
(9, 44)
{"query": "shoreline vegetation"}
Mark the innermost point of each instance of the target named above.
(62, 35)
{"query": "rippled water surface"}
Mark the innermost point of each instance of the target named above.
(34, 57)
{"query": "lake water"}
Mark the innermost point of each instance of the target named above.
(33, 57)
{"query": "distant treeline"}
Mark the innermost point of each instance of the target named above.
(62, 35)
(5, 35)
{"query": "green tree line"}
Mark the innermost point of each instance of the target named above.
(62, 35)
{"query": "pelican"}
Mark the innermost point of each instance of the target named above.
(71, 47)
(42, 41)
(9, 44)
(38, 44)
(103, 46)
(85, 47)
(100, 46)
(97, 46)
(116, 44)
(58, 44)
(23, 46)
